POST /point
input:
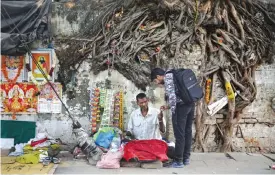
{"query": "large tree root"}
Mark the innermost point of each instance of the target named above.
(133, 36)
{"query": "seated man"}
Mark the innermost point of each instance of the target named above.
(146, 122)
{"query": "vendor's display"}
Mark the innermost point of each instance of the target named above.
(107, 108)
(95, 108)
(118, 110)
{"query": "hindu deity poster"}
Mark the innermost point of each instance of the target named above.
(12, 68)
(48, 102)
(18, 98)
(44, 59)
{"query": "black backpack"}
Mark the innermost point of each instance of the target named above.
(188, 86)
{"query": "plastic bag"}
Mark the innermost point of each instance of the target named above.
(115, 144)
(104, 139)
(105, 136)
(110, 160)
(115, 131)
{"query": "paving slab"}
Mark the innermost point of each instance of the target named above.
(252, 158)
(220, 163)
(208, 156)
(270, 156)
(152, 165)
(130, 164)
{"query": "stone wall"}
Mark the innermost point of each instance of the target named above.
(258, 119)
(255, 130)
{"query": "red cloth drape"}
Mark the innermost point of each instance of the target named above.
(146, 150)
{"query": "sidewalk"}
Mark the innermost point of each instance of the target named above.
(10, 166)
(202, 163)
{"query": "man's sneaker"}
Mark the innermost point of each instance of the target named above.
(167, 163)
(177, 165)
(186, 161)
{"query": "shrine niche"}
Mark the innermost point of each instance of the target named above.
(24, 89)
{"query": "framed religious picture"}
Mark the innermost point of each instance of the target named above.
(18, 98)
(44, 59)
(12, 68)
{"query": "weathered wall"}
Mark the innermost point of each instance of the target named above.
(258, 118)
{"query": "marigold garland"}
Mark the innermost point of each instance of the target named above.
(5, 72)
(37, 83)
(208, 91)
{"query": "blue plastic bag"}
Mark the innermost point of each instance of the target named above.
(104, 139)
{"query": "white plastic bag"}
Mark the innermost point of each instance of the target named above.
(115, 144)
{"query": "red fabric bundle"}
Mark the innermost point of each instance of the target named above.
(146, 150)
(34, 143)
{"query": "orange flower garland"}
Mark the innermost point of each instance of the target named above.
(5, 72)
(208, 91)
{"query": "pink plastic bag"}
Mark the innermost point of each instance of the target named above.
(110, 160)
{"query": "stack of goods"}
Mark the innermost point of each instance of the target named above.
(118, 110)
(109, 104)
(95, 98)
(121, 121)
(102, 98)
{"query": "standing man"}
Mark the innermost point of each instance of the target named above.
(182, 116)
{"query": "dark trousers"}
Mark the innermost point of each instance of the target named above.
(182, 124)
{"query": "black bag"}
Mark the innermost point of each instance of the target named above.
(188, 86)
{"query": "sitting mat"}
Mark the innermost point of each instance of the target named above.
(21, 131)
